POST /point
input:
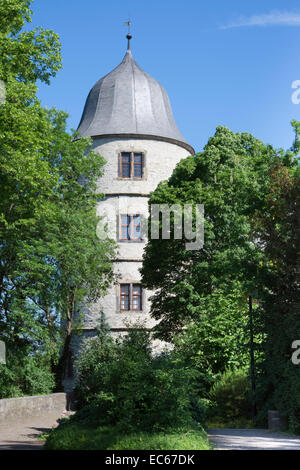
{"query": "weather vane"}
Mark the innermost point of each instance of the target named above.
(128, 23)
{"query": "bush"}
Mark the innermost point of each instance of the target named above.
(216, 340)
(201, 409)
(231, 396)
(29, 375)
(124, 384)
(92, 367)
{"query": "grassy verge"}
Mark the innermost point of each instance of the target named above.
(79, 436)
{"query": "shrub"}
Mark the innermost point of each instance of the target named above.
(29, 375)
(231, 396)
(92, 367)
(124, 384)
(216, 340)
(201, 409)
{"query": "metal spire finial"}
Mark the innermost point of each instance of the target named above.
(128, 23)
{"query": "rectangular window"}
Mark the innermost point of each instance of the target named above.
(136, 297)
(125, 296)
(130, 227)
(131, 296)
(125, 165)
(138, 165)
(136, 226)
(131, 165)
(125, 227)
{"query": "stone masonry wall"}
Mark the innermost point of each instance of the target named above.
(129, 196)
(14, 408)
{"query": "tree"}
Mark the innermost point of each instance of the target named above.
(26, 184)
(251, 197)
(51, 258)
(277, 227)
(64, 263)
(230, 177)
(24, 128)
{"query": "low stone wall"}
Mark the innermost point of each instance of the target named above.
(14, 408)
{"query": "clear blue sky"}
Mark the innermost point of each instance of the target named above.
(227, 63)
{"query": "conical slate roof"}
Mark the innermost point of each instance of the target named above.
(128, 102)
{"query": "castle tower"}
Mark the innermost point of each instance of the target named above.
(129, 117)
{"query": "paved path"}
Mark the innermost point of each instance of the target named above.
(252, 439)
(22, 434)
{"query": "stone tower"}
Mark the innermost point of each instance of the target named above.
(129, 117)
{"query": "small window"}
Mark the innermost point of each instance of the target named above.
(125, 227)
(136, 225)
(125, 165)
(125, 296)
(136, 297)
(131, 297)
(138, 165)
(130, 227)
(131, 165)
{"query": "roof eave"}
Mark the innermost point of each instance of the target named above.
(180, 143)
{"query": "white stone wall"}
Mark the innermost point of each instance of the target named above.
(131, 197)
(111, 208)
(160, 160)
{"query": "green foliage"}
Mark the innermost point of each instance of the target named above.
(277, 227)
(218, 339)
(231, 396)
(230, 178)
(29, 352)
(93, 368)
(201, 408)
(27, 56)
(250, 193)
(26, 376)
(51, 258)
(26, 183)
(122, 383)
(77, 436)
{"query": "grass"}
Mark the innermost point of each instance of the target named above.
(79, 436)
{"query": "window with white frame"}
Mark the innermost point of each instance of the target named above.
(131, 165)
(130, 227)
(131, 297)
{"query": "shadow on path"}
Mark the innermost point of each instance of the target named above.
(22, 434)
(252, 439)
(19, 445)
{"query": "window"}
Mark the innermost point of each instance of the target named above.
(138, 165)
(130, 227)
(131, 165)
(136, 297)
(125, 296)
(125, 227)
(131, 297)
(125, 165)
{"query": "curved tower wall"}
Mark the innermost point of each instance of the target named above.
(128, 196)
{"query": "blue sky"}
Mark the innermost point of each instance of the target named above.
(228, 63)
